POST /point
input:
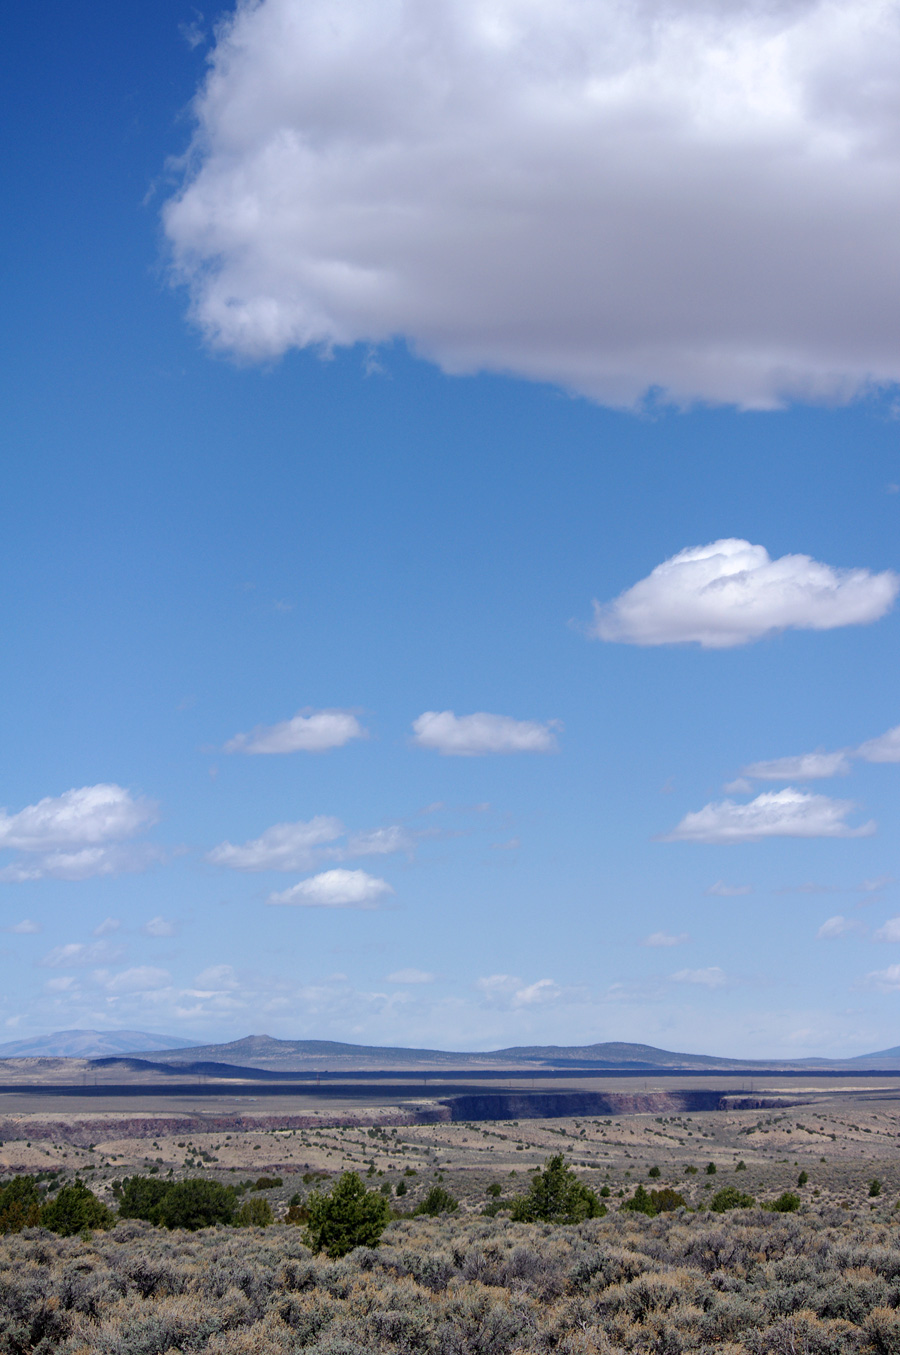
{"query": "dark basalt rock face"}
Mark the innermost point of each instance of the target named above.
(552, 1105)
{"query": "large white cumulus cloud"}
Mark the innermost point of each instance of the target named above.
(78, 835)
(678, 194)
(731, 592)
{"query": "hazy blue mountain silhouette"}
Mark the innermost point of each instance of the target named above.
(88, 1044)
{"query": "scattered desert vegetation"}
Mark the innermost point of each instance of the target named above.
(759, 1233)
(813, 1281)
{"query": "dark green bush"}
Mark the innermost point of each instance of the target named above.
(874, 1187)
(437, 1201)
(267, 1183)
(195, 1203)
(667, 1199)
(640, 1203)
(402, 1187)
(557, 1196)
(140, 1197)
(710, 1169)
(348, 1216)
(654, 1202)
(75, 1209)
(254, 1214)
(20, 1204)
(654, 1172)
(729, 1197)
(802, 1178)
(786, 1203)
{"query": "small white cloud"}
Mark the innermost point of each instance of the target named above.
(160, 926)
(89, 863)
(498, 984)
(815, 766)
(741, 786)
(726, 891)
(63, 984)
(544, 990)
(380, 842)
(140, 979)
(805, 767)
(193, 33)
(731, 593)
(309, 732)
(886, 748)
(890, 931)
(782, 813)
(220, 977)
(836, 926)
(510, 845)
(886, 980)
(107, 926)
(335, 889)
(874, 886)
(474, 735)
(409, 976)
(713, 977)
(285, 846)
(26, 927)
(665, 939)
(305, 845)
(77, 954)
(508, 991)
(89, 816)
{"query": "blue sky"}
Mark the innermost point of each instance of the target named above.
(296, 466)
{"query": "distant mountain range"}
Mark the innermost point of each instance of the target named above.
(263, 1051)
(88, 1044)
(266, 1052)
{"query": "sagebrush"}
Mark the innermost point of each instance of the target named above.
(747, 1282)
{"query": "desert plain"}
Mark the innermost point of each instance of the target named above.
(842, 1136)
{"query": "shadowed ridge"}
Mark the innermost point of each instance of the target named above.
(622, 1054)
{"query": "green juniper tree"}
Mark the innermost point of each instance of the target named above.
(437, 1201)
(557, 1196)
(20, 1205)
(75, 1209)
(348, 1216)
